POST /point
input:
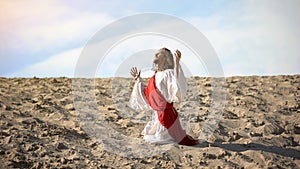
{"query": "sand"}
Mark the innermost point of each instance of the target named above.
(259, 126)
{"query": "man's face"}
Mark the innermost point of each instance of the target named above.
(158, 57)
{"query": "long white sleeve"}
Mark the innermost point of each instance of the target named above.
(182, 83)
(137, 99)
(172, 86)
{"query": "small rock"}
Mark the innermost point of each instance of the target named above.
(34, 100)
(8, 108)
(110, 108)
(93, 144)
(7, 140)
(61, 146)
(233, 136)
(203, 163)
(209, 156)
(253, 134)
(2, 133)
(63, 160)
(70, 107)
(43, 153)
(272, 128)
(29, 147)
(297, 129)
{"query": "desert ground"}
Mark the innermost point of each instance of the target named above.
(40, 127)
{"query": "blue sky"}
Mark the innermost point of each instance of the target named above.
(45, 38)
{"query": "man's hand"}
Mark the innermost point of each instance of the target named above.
(135, 73)
(178, 56)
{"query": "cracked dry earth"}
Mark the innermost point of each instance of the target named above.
(259, 126)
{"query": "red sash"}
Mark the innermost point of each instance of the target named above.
(167, 114)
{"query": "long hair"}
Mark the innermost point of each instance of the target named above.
(167, 62)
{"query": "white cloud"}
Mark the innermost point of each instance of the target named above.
(258, 38)
(38, 25)
(261, 40)
(72, 30)
(62, 64)
(31, 31)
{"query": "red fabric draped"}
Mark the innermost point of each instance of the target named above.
(167, 114)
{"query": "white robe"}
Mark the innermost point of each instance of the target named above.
(173, 88)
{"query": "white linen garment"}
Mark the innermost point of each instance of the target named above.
(173, 88)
